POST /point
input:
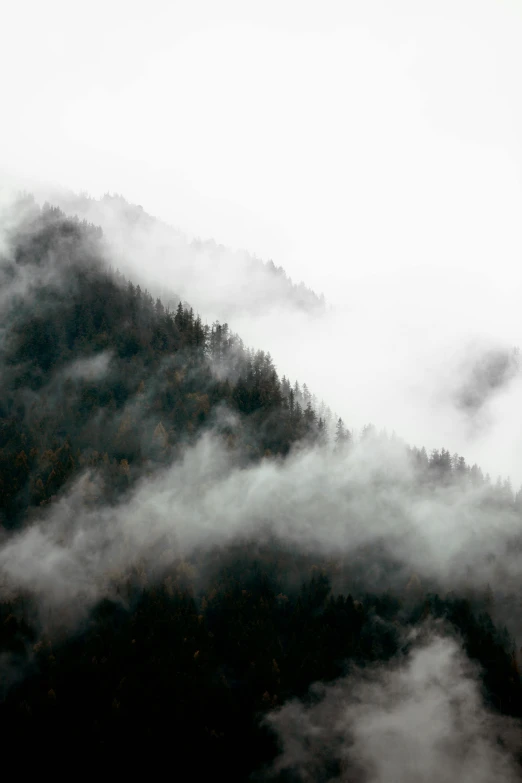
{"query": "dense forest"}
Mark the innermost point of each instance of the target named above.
(183, 661)
(63, 407)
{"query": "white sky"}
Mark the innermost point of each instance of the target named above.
(374, 149)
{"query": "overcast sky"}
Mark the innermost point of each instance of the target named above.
(374, 149)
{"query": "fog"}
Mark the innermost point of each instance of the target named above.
(372, 152)
(346, 505)
(405, 364)
(375, 154)
(419, 719)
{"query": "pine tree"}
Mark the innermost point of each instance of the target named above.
(342, 435)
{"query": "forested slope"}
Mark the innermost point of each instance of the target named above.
(96, 373)
(183, 663)
(204, 269)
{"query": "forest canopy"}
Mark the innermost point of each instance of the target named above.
(113, 404)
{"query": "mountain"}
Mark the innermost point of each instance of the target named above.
(199, 570)
(97, 373)
(216, 280)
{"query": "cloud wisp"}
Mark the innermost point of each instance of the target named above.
(318, 501)
(418, 718)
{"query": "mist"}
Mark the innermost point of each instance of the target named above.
(380, 354)
(389, 182)
(336, 505)
(344, 190)
(421, 718)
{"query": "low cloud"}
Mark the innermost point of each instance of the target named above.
(341, 505)
(92, 368)
(382, 354)
(419, 718)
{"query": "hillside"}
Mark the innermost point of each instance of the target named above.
(216, 280)
(96, 373)
(191, 549)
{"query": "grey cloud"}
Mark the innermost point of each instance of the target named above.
(419, 718)
(92, 368)
(333, 504)
(380, 355)
(477, 374)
